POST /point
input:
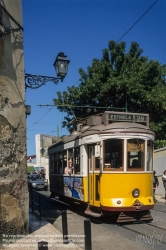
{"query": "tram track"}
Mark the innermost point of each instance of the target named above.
(149, 224)
(140, 233)
(157, 210)
(156, 235)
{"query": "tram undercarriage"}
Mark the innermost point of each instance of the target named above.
(135, 213)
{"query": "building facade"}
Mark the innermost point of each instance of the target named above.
(160, 161)
(14, 196)
(42, 144)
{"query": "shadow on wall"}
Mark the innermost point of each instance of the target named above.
(9, 43)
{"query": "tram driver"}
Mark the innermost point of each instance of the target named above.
(69, 168)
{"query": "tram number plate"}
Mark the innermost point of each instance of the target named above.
(140, 118)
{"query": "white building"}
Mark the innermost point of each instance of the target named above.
(42, 144)
(160, 161)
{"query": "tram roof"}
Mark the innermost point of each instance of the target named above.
(116, 127)
(121, 127)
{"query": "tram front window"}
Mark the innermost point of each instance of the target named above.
(113, 154)
(135, 154)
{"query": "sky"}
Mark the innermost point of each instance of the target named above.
(81, 29)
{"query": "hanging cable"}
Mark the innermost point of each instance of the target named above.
(137, 21)
(40, 118)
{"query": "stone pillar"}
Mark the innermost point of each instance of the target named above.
(14, 198)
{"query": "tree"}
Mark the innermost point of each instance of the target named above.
(125, 80)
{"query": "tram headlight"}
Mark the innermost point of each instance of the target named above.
(135, 193)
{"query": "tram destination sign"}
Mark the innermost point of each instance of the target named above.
(140, 118)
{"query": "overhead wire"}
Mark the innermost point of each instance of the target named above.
(117, 42)
(137, 20)
(47, 111)
(40, 118)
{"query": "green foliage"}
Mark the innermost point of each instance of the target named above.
(30, 169)
(120, 81)
(160, 144)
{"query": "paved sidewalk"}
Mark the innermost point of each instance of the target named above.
(160, 192)
(41, 230)
(160, 198)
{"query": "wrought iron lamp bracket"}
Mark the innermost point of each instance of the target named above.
(36, 81)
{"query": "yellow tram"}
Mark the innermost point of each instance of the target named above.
(107, 164)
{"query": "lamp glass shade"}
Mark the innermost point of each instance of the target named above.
(61, 65)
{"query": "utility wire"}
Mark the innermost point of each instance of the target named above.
(117, 42)
(76, 82)
(40, 118)
(137, 21)
(77, 106)
(47, 112)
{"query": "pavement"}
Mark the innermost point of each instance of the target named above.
(160, 192)
(42, 235)
(41, 231)
(160, 198)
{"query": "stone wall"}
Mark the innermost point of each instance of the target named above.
(14, 201)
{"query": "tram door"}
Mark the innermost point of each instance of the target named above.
(94, 177)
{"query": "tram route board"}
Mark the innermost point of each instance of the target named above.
(125, 117)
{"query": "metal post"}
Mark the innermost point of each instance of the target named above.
(42, 245)
(32, 199)
(39, 207)
(87, 232)
(64, 227)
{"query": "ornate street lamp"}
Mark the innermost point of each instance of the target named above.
(61, 66)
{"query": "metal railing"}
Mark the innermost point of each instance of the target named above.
(33, 202)
(87, 226)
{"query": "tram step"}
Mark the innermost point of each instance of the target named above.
(91, 213)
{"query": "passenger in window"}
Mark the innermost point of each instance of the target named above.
(69, 168)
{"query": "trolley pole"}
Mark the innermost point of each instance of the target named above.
(39, 206)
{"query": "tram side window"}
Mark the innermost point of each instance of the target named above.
(97, 164)
(70, 157)
(90, 158)
(55, 164)
(64, 160)
(51, 163)
(135, 153)
(60, 170)
(113, 154)
(68, 165)
(77, 160)
(149, 158)
(97, 157)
